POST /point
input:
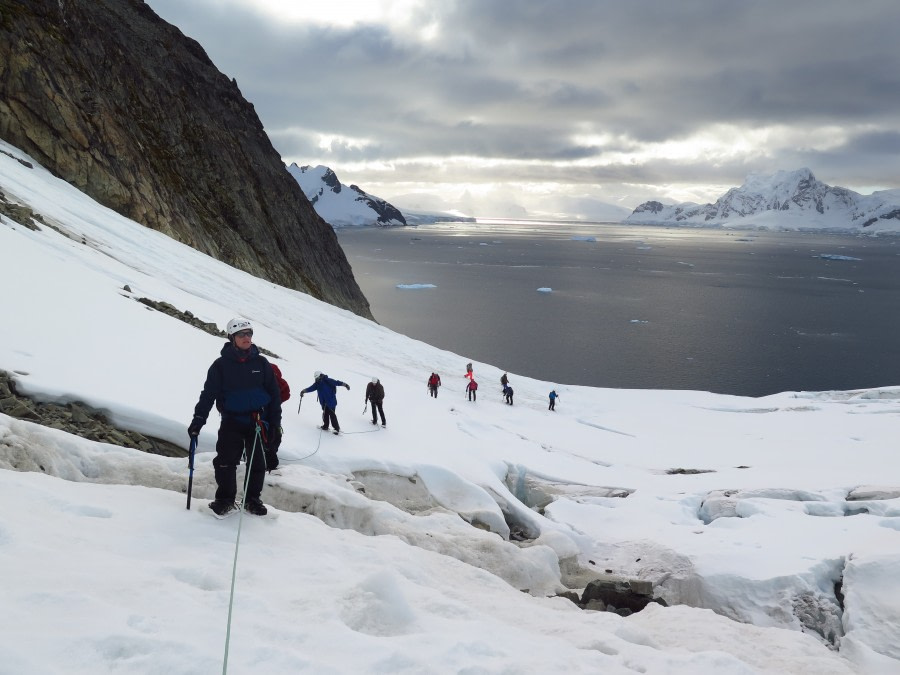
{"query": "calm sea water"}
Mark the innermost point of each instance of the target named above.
(749, 313)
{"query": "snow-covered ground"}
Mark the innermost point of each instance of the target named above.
(388, 551)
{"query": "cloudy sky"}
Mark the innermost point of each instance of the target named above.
(502, 108)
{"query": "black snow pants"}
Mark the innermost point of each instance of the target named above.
(328, 415)
(234, 439)
(376, 405)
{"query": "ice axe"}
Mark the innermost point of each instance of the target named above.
(191, 470)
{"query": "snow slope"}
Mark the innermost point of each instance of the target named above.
(389, 551)
(785, 200)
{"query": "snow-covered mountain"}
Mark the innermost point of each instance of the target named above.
(436, 545)
(793, 200)
(342, 206)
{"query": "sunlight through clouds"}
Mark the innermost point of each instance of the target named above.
(589, 98)
(339, 12)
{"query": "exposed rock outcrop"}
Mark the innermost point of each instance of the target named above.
(122, 105)
(79, 419)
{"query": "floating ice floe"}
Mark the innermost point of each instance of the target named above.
(638, 321)
(583, 238)
(544, 289)
(835, 256)
(414, 287)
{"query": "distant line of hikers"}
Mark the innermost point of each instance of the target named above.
(248, 391)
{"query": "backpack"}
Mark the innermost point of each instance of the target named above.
(283, 386)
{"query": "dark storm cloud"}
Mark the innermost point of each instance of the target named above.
(531, 80)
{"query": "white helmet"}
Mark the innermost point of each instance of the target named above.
(374, 380)
(317, 374)
(238, 324)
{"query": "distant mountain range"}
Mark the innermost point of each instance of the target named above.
(787, 200)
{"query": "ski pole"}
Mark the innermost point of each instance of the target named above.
(191, 470)
(299, 404)
(366, 407)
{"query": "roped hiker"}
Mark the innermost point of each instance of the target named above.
(472, 387)
(244, 388)
(433, 383)
(508, 394)
(553, 397)
(470, 374)
(375, 396)
(326, 389)
(504, 380)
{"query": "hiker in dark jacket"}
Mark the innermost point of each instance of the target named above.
(243, 386)
(508, 394)
(375, 396)
(326, 390)
(433, 383)
(504, 380)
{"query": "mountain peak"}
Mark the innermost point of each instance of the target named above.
(782, 200)
(341, 207)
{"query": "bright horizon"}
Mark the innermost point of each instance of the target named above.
(545, 113)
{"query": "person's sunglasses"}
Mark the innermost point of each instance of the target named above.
(244, 334)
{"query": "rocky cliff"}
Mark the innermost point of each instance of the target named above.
(122, 105)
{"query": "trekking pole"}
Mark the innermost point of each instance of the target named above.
(366, 407)
(191, 470)
(299, 404)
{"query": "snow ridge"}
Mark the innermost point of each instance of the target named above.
(343, 207)
(783, 200)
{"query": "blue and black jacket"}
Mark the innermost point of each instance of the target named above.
(241, 383)
(326, 389)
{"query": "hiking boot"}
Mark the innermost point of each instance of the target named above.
(256, 507)
(374, 422)
(222, 507)
(323, 427)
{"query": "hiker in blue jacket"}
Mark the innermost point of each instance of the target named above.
(553, 397)
(244, 389)
(326, 389)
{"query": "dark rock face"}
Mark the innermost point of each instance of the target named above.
(119, 103)
(387, 212)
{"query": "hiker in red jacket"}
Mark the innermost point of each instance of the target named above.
(433, 383)
(472, 387)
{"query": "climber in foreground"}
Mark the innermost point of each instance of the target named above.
(243, 386)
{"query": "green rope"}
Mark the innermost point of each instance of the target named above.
(237, 545)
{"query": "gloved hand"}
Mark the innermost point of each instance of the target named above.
(271, 460)
(301, 394)
(275, 439)
(347, 385)
(195, 426)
